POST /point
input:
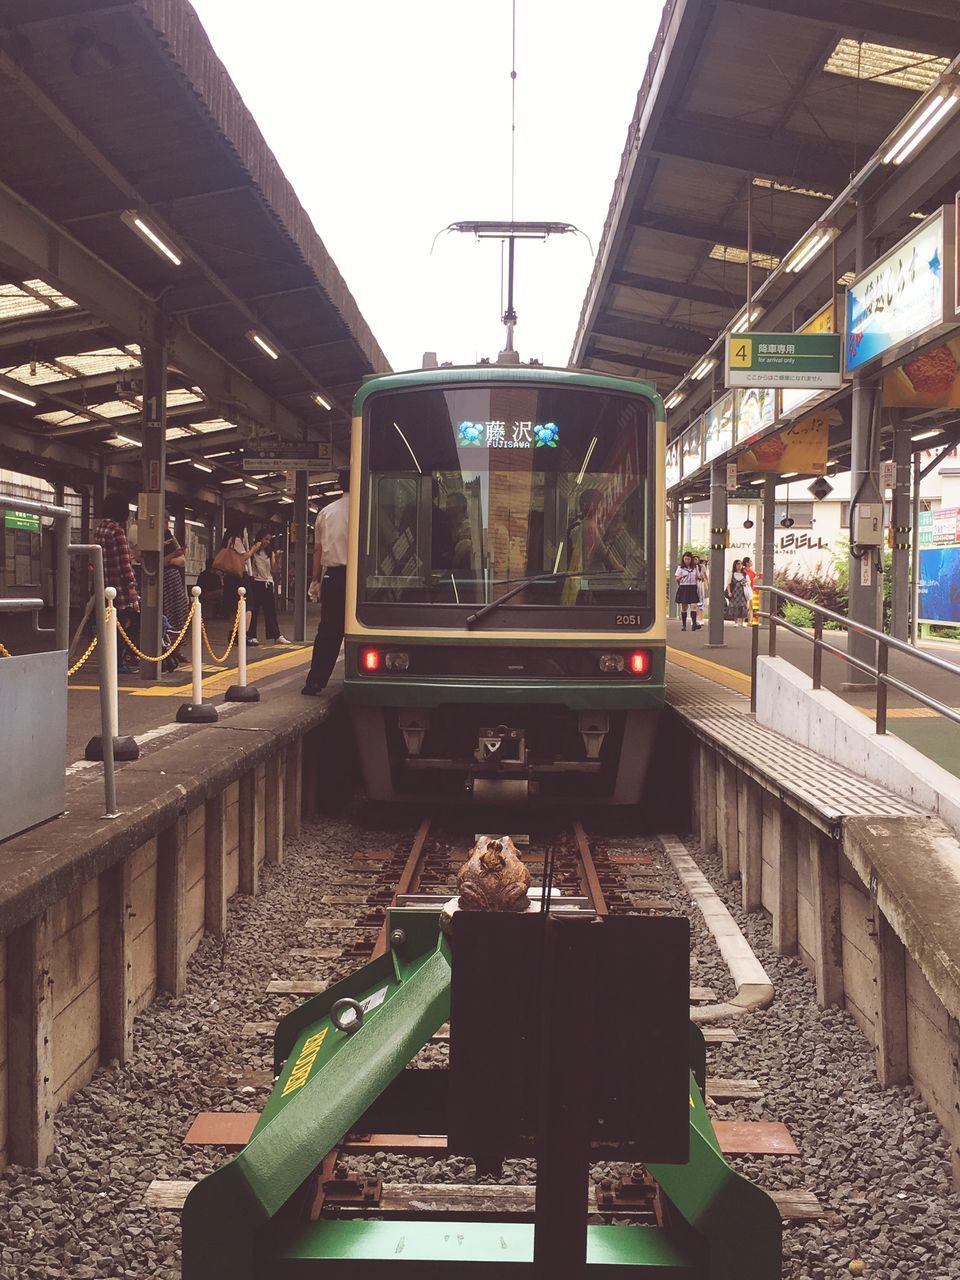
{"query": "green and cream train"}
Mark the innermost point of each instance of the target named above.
(505, 620)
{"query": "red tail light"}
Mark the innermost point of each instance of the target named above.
(369, 659)
(640, 662)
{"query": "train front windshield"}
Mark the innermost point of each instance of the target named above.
(475, 489)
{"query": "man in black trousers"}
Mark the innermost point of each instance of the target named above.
(330, 561)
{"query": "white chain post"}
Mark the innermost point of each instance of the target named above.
(240, 692)
(109, 664)
(125, 748)
(196, 711)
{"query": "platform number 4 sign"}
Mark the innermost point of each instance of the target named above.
(741, 353)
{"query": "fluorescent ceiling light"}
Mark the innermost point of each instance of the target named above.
(224, 453)
(317, 398)
(177, 462)
(262, 475)
(808, 247)
(7, 391)
(262, 344)
(700, 371)
(334, 493)
(197, 524)
(786, 475)
(135, 444)
(925, 435)
(147, 233)
(239, 480)
(286, 500)
(314, 511)
(200, 467)
(921, 126)
(248, 485)
(674, 399)
(743, 321)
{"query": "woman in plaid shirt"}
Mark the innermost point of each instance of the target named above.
(111, 534)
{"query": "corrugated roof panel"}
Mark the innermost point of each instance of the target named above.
(884, 64)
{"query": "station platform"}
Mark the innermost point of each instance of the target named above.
(729, 666)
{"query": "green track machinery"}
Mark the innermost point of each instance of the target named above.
(570, 1041)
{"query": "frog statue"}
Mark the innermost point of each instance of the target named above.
(493, 878)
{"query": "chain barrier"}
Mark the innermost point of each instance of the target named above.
(233, 636)
(72, 671)
(146, 657)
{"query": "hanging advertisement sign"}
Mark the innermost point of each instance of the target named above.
(718, 428)
(800, 447)
(928, 381)
(672, 468)
(691, 448)
(902, 296)
(806, 360)
(756, 410)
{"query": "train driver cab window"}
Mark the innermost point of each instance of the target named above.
(474, 491)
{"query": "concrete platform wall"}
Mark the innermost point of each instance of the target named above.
(862, 907)
(817, 718)
(75, 975)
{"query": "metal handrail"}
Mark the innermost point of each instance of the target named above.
(879, 672)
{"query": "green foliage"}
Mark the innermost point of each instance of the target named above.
(829, 584)
(797, 615)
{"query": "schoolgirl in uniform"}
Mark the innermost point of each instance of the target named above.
(689, 576)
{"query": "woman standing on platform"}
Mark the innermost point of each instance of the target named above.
(752, 576)
(737, 589)
(232, 560)
(689, 576)
(263, 565)
(175, 606)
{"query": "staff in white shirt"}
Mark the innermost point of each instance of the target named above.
(330, 560)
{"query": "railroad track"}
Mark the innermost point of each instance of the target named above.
(612, 877)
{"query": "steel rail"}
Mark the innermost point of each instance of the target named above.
(589, 880)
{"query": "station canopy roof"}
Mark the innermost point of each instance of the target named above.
(119, 128)
(771, 105)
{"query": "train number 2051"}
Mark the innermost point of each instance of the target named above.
(628, 620)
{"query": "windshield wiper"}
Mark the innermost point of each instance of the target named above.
(474, 618)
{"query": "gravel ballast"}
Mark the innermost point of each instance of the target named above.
(877, 1159)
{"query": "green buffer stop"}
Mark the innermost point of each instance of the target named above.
(531, 999)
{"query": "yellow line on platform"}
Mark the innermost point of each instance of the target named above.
(715, 671)
(214, 683)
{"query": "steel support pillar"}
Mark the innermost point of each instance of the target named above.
(718, 546)
(900, 525)
(865, 582)
(915, 552)
(768, 526)
(864, 596)
(154, 483)
(300, 515)
(674, 556)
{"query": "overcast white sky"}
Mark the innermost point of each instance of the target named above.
(392, 120)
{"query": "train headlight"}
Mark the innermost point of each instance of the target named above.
(397, 661)
(610, 663)
(640, 662)
(369, 659)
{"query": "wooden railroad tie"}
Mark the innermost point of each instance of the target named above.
(466, 1198)
(234, 1128)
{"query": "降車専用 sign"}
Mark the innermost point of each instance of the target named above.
(902, 297)
(804, 360)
